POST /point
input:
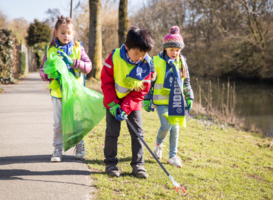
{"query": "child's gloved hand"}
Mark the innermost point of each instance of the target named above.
(147, 105)
(114, 109)
(189, 105)
(66, 58)
(54, 75)
(121, 115)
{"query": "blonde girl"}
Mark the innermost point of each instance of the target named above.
(172, 87)
(79, 64)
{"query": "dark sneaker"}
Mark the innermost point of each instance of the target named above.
(112, 170)
(140, 172)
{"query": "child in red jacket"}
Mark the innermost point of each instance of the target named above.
(125, 79)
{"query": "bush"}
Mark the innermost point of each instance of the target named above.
(39, 50)
(6, 58)
(38, 32)
(22, 62)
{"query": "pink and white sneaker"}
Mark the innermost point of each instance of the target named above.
(158, 150)
(176, 161)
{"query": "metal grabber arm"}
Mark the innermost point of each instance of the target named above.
(176, 185)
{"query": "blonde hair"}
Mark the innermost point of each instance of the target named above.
(183, 72)
(62, 20)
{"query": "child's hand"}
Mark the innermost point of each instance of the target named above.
(54, 75)
(189, 105)
(121, 115)
(66, 58)
(147, 105)
(153, 76)
(113, 110)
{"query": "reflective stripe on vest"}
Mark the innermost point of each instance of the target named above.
(75, 55)
(158, 86)
(125, 90)
(160, 97)
(121, 89)
(121, 71)
(160, 68)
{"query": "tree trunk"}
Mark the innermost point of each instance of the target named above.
(95, 38)
(122, 22)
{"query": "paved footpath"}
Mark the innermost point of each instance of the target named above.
(26, 132)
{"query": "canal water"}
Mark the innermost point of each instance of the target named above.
(254, 101)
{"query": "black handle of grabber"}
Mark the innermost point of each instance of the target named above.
(147, 146)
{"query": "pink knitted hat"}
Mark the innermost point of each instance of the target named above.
(173, 39)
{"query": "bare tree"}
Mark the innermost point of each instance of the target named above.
(95, 38)
(19, 27)
(256, 12)
(109, 21)
(222, 38)
(52, 16)
(3, 20)
(123, 21)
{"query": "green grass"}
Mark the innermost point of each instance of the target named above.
(219, 162)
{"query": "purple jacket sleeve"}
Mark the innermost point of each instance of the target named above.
(84, 65)
(42, 73)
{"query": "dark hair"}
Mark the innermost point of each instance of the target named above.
(139, 39)
(163, 53)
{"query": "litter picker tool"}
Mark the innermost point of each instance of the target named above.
(176, 185)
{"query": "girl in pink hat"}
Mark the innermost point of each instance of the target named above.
(171, 89)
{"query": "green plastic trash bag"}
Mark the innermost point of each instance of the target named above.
(82, 108)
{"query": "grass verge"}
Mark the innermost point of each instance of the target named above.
(219, 162)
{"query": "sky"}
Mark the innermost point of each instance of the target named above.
(31, 9)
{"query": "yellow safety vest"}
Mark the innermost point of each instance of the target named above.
(75, 55)
(121, 70)
(160, 68)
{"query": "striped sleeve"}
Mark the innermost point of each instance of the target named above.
(187, 90)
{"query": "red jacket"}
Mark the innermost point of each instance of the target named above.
(132, 101)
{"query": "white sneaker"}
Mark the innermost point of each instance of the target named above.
(176, 161)
(80, 150)
(56, 156)
(158, 150)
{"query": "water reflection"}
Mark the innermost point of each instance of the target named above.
(254, 101)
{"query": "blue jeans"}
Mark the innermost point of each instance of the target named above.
(165, 128)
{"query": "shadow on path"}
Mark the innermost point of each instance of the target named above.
(33, 180)
(127, 159)
(14, 174)
(8, 174)
(34, 159)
